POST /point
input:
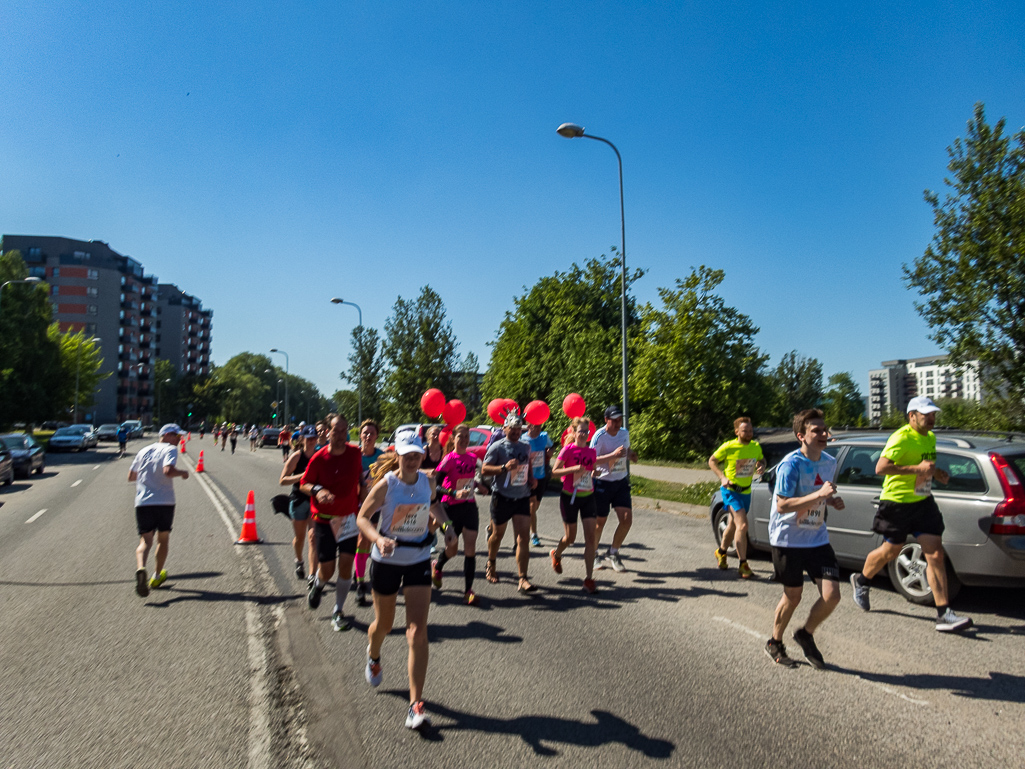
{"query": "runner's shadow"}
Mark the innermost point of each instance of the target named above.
(216, 596)
(999, 687)
(436, 633)
(543, 733)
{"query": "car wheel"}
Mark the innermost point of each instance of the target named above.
(42, 468)
(907, 574)
(720, 520)
(10, 478)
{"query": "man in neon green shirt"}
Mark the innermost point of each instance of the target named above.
(907, 506)
(735, 463)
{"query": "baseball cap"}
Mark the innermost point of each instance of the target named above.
(408, 443)
(922, 404)
(613, 412)
(513, 420)
(309, 431)
(170, 428)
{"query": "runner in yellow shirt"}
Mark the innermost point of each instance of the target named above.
(736, 463)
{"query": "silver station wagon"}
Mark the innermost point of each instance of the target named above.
(983, 508)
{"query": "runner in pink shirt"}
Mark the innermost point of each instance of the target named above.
(455, 474)
(575, 465)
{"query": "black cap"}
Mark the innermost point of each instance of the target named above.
(613, 412)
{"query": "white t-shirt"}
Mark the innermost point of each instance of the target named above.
(152, 487)
(604, 444)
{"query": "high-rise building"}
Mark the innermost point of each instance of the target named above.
(107, 295)
(894, 385)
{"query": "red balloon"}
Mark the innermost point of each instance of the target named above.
(454, 412)
(537, 412)
(446, 433)
(573, 406)
(590, 429)
(495, 410)
(433, 403)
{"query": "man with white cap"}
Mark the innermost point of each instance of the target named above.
(152, 472)
(906, 506)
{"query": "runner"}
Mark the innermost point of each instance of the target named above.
(575, 465)
(285, 441)
(401, 557)
(333, 482)
(224, 436)
(540, 457)
(799, 538)
(254, 436)
(233, 437)
(743, 459)
(298, 502)
(508, 460)
(612, 483)
(202, 429)
(369, 453)
(434, 452)
(152, 471)
(455, 474)
(907, 506)
(122, 441)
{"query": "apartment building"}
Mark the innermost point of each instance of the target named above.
(898, 381)
(105, 294)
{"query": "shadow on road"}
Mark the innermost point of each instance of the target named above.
(131, 581)
(437, 633)
(1002, 687)
(184, 594)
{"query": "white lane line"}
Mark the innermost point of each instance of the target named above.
(73, 485)
(96, 467)
(36, 515)
(883, 687)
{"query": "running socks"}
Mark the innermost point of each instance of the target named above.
(442, 560)
(863, 582)
(469, 568)
(341, 590)
(362, 556)
(941, 610)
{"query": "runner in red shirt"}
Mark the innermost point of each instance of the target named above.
(285, 442)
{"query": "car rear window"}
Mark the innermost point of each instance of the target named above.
(859, 467)
(965, 474)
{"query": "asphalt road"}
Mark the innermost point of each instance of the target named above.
(664, 666)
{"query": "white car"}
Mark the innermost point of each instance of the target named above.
(73, 438)
(134, 427)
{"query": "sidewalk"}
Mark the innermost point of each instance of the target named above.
(671, 474)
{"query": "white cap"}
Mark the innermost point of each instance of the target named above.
(922, 404)
(409, 443)
(170, 428)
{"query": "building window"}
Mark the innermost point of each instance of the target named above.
(91, 309)
(82, 255)
(37, 272)
(35, 253)
(90, 328)
(55, 272)
(94, 274)
(55, 290)
(91, 291)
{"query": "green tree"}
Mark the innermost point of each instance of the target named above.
(697, 370)
(842, 405)
(796, 384)
(346, 403)
(366, 371)
(79, 360)
(972, 274)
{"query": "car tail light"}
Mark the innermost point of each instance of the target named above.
(1009, 516)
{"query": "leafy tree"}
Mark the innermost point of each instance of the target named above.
(893, 419)
(972, 274)
(346, 402)
(796, 384)
(697, 370)
(842, 405)
(79, 360)
(366, 371)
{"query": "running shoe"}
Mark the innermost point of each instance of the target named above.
(745, 571)
(556, 561)
(778, 653)
(374, 672)
(720, 559)
(300, 572)
(860, 593)
(951, 623)
(417, 716)
(804, 639)
(313, 597)
(617, 562)
(599, 562)
(590, 585)
(339, 623)
(141, 583)
(158, 579)
(361, 594)
(435, 575)
(470, 598)
(535, 541)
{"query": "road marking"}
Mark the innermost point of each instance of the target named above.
(96, 467)
(36, 515)
(738, 626)
(73, 485)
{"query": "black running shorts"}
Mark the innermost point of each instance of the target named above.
(584, 505)
(387, 578)
(150, 518)
(503, 508)
(610, 494)
(895, 520)
(791, 564)
(327, 548)
(463, 515)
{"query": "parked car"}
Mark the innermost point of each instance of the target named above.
(107, 432)
(6, 467)
(478, 437)
(27, 454)
(134, 428)
(269, 437)
(983, 507)
(75, 437)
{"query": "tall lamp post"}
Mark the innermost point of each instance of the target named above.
(282, 352)
(162, 382)
(78, 370)
(25, 280)
(573, 131)
(359, 386)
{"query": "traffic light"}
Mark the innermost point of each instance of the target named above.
(274, 415)
(190, 415)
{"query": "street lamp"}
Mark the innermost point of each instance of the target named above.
(78, 367)
(162, 382)
(26, 280)
(359, 385)
(573, 131)
(277, 401)
(282, 352)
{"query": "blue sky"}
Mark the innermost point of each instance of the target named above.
(266, 156)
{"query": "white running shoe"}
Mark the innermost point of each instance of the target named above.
(617, 563)
(374, 671)
(417, 716)
(951, 623)
(599, 562)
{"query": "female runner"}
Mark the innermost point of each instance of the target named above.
(369, 453)
(575, 465)
(455, 476)
(299, 503)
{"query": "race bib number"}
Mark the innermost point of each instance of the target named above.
(815, 517)
(923, 486)
(537, 459)
(518, 477)
(585, 483)
(619, 466)
(409, 522)
(344, 528)
(745, 468)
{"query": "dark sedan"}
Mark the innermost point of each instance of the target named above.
(26, 452)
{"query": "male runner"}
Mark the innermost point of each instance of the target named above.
(122, 440)
(907, 506)
(285, 442)
(333, 481)
(799, 539)
(743, 459)
(152, 471)
(508, 461)
(612, 483)
(540, 457)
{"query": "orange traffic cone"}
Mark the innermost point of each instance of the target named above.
(200, 467)
(190, 436)
(181, 446)
(249, 535)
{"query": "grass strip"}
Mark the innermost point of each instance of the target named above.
(691, 494)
